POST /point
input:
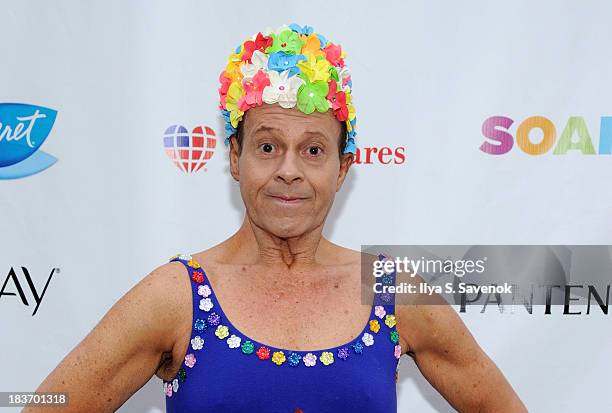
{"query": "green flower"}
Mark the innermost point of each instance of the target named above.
(247, 347)
(286, 41)
(333, 73)
(182, 375)
(312, 96)
(394, 336)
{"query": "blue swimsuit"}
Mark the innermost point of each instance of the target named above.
(226, 371)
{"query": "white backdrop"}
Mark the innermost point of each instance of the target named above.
(426, 75)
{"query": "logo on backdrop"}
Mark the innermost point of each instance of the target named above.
(384, 155)
(190, 151)
(575, 137)
(12, 282)
(23, 129)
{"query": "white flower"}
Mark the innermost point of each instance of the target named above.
(175, 385)
(206, 304)
(310, 360)
(204, 290)
(380, 312)
(344, 72)
(283, 89)
(197, 343)
(259, 61)
(185, 257)
(233, 341)
(367, 339)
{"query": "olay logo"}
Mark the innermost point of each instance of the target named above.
(380, 155)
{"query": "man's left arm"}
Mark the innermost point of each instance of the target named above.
(451, 360)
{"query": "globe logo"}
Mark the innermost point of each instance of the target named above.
(189, 152)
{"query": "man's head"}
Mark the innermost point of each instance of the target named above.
(297, 141)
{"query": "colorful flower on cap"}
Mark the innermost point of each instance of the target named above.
(292, 66)
(259, 44)
(283, 89)
(312, 96)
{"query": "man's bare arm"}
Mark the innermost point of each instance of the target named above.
(124, 350)
(451, 360)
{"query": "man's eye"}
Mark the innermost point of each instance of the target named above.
(315, 150)
(266, 147)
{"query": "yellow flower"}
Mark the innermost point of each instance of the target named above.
(173, 257)
(374, 325)
(314, 69)
(222, 331)
(390, 320)
(278, 357)
(312, 44)
(234, 93)
(349, 105)
(193, 263)
(326, 358)
(232, 68)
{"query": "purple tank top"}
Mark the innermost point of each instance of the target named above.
(226, 371)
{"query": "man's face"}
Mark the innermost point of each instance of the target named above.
(288, 154)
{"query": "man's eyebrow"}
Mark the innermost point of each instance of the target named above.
(267, 128)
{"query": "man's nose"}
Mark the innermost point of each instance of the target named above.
(290, 167)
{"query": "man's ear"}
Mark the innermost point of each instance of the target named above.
(233, 155)
(345, 164)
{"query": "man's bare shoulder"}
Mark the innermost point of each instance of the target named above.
(165, 294)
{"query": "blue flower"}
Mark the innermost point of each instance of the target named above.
(322, 39)
(358, 347)
(294, 359)
(281, 61)
(302, 30)
(350, 146)
(387, 279)
(229, 129)
(200, 324)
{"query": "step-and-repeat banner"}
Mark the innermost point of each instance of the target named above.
(480, 123)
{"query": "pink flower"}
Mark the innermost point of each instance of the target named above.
(310, 359)
(169, 389)
(338, 101)
(225, 84)
(190, 360)
(253, 90)
(380, 312)
(333, 52)
(398, 351)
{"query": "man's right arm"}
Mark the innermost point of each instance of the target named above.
(124, 350)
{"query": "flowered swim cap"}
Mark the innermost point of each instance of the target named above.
(290, 66)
